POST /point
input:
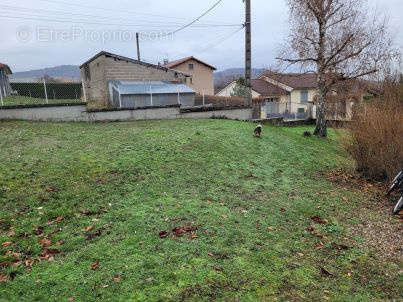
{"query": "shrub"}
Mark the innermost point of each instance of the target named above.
(377, 134)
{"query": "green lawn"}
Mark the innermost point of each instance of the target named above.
(84, 207)
(23, 100)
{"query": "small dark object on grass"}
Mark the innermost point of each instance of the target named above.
(258, 131)
(307, 134)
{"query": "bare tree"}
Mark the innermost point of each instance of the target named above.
(337, 39)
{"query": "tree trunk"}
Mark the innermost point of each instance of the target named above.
(321, 123)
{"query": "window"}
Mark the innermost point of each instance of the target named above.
(191, 66)
(304, 96)
(301, 110)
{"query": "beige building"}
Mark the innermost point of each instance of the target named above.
(105, 67)
(202, 80)
(292, 95)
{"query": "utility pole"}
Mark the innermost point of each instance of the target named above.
(138, 46)
(248, 51)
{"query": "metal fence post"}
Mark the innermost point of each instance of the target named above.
(179, 100)
(46, 93)
(151, 95)
(84, 92)
(1, 95)
(203, 100)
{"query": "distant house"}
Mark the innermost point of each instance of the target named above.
(106, 67)
(5, 88)
(202, 80)
(293, 95)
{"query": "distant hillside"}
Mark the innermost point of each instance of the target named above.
(222, 78)
(64, 71)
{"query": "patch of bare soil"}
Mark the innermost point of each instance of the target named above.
(382, 232)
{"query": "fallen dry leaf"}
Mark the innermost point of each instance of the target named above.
(211, 255)
(38, 231)
(51, 189)
(48, 254)
(178, 231)
(310, 229)
(17, 263)
(3, 278)
(300, 255)
(325, 272)
(17, 255)
(57, 220)
(116, 279)
(319, 220)
(104, 286)
(95, 265)
(45, 242)
(29, 262)
(89, 228)
(91, 236)
(163, 234)
(6, 244)
(4, 264)
(11, 233)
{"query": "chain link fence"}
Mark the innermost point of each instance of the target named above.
(41, 93)
(288, 111)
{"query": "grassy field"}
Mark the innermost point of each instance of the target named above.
(182, 211)
(23, 100)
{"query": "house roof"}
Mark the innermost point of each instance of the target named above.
(262, 87)
(267, 89)
(176, 63)
(6, 67)
(122, 58)
(148, 87)
(294, 80)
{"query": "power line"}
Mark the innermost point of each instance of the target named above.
(22, 9)
(197, 19)
(111, 9)
(221, 39)
(80, 21)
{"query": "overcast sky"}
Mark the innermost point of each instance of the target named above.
(48, 33)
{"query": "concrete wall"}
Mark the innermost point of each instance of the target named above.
(79, 113)
(49, 113)
(234, 114)
(202, 80)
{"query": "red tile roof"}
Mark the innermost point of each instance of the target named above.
(173, 64)
(6, 67)
(294, 80)
(267, 89)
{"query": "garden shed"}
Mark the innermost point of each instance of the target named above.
(139, 94)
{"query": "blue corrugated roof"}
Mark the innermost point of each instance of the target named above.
(147, 87)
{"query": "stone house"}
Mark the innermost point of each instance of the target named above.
(5, 88)
(105, 67)
(202, 80)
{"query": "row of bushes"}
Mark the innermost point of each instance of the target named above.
(54, 90)
(377, 134)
